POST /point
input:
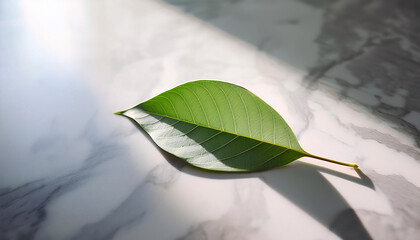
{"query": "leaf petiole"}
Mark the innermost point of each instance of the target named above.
(333, 161)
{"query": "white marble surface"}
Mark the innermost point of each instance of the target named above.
(347, 84)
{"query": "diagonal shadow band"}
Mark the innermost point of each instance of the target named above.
(302, 184)
(325, 40)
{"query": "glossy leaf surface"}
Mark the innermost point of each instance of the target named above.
(218, 126)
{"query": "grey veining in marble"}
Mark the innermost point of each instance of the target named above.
(344, 75)
(366, 50)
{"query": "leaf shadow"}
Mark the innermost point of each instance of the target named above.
(302, 184)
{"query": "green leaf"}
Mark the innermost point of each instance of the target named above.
(219, 126)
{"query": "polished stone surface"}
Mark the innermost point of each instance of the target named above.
(344, 75)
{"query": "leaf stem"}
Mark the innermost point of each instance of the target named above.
(333, 161)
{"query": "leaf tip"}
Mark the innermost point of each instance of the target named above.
(119, 112)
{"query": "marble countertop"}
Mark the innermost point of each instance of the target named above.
(344, 75)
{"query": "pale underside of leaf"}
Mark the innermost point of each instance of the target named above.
(210, 148)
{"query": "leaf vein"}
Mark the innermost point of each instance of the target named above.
(275, 156)
(199, 102)
(186, 103)
(230, 106)
(180, 135)
(170, 101)
(152, 122)
(238, 154)
(220, 147)
(210, 138)
(246, 111)
(160, 104)
(214, 102)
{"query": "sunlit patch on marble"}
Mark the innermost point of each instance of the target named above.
(55, 37)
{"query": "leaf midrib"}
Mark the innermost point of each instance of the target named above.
(236, 134)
